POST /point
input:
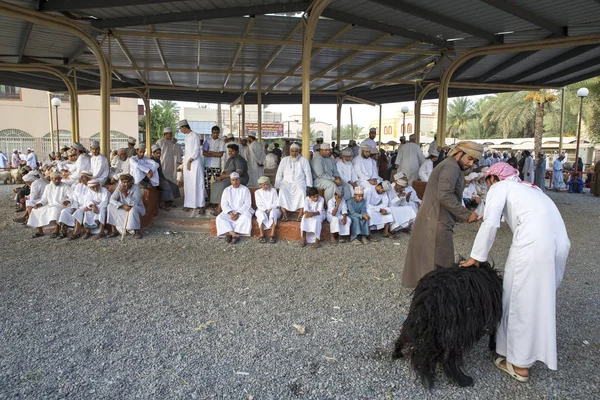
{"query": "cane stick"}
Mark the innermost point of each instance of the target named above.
(125, 225)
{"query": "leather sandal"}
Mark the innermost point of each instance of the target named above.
(508, 368)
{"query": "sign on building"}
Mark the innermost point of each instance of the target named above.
(269, 131)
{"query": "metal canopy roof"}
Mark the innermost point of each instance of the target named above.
(378, 50)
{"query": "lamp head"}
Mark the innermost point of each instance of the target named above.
(583, 92)
(239, 111)
(404, 109)
(56, 102)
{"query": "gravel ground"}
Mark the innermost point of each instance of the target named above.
(188, 316)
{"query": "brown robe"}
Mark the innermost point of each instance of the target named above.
(431, 241)
(595, 188)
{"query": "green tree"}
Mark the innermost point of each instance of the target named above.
(475, 128)
(163, 113)
(460, 112)
(510, 113)
(346, 132)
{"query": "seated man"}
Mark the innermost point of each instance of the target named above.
(470, 197)
(337, 216)
(36, 187)
(126, 208)
(347, 173)
(404, 190)
(312, 220)
(168, 190)
(366, 169)
(56, 196)
(380, 213)
(119, 166)
(143, 169)
(236, 218)
(235, 163)
(100, 167)
(426, 168)
(267, 209)
(404, 215)
(293, 177)
(72, 215)
(324, 171)
(94, 209)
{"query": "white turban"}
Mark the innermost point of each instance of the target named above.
(263, 179)
(359, 190)
(472, 176)
(131, 140)
(386, 185)
(29, 177)
(155, 147)
(95, 144)
(168, 130)
(364, 147)
(374, 150)
(234, 175)
(141, 146)
(347, 151)
(401, 179)
(93, 182)
(252, 134)
(434, 153)
(412, 137)
(295, 146)
(324, 146)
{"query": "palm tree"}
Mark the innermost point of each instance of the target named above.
(539, 99)
(511, 115)
(475, 128)
(460, 111)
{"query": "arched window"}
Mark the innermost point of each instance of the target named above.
(409, 128)
(117, 139)
(15, 139)
(65, 141)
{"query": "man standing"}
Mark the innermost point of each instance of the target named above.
(15, 161)
(277, 152)
(558, 181)
(3, 161)
(168, 189)
(324, 172)
(409, 159)
(131, 146)
(533, 271)
(347, 173)
(126, 207)
(212, 150)
(293, 177)
(143, 169)
(595, 188)
(431, 243)
(56, 196)
(193, 171)
(370, 141)
(99, 163)
(354, 147)
(168, 154)
(255, 156)
(528, 167)
(540, 171)
(433, 146)
(31, 159)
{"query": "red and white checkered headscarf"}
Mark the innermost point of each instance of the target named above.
(506, 171)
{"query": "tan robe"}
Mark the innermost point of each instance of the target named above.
(595, 189)
(431, 242)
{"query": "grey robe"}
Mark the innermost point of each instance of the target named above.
(237, 163)
(431, 243)
(540, 173)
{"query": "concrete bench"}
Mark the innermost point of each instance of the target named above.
(151, 200)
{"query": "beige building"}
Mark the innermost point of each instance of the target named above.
(392, 128)
(25, 120)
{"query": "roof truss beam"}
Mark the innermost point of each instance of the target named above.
(528, 16)
(391, 29)
(568, 55)
(571, 70)
(200, 15)
(26, 34)
(439, 19)
(239, 49)
(162, 57)
(129, 57)
(74, 5)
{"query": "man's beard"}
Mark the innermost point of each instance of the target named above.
(293, 159)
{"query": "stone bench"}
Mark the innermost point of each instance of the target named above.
(151, 200)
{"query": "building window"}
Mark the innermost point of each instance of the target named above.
(10, 92)
(63, 97)
(409, 128)
(11, 139)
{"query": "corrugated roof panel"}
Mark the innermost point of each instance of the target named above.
(575, 76)
(46, 42)
(551, 69)
(484, 65)
(11, 31)
(563, 13)
(535, 59)
(275, 28)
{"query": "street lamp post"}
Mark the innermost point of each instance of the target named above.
(56, 103)
(582, 93)
(404, 110)
(239, 114)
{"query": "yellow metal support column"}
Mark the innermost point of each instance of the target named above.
(75, 110)
(562, 121)
(418, 103)
(340, 102)
(314, 11)
(146, 100)
(380, 111)
(51, 121)
(65, 25)
(231, 119)
(243, 127)
(259, 107)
